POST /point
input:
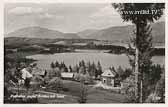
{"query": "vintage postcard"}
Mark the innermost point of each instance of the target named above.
(73, 53)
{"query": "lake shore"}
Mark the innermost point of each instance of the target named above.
(72, 58)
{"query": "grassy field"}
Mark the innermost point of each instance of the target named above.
(95, 95)
(104, 96)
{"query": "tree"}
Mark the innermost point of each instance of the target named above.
(27, 84)
(13, 73)
(82, 63)
(9, 75)
(112, 68)
(57, 72)
(93, 70)
(88, 68)
(83, 93)
(155, 73)
(75, 69)
(128, 89)
(120, 72)
(82, 70)
(66, 69)
(70, 68)
(141, 22)
(88, 64)
(52, 65)
(99, 69)
(160, 88)
(56, 64)
(158, 95)
(127, 73)
(145, 55)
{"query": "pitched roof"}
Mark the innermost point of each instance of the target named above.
(109, 73)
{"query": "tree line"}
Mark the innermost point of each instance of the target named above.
(94, 70)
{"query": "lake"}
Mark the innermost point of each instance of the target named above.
(106, 59)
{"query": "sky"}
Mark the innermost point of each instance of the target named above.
(67, 17)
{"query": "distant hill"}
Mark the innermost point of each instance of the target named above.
(122, 33)
(38, 32)
(116, 34)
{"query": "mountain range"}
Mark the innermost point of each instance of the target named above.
(118, 33)
(123, 33)
(39, 32)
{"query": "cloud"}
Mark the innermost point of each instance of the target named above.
(25, 10)
(106, 17)
(65, 17)
(31, 11)
(108, 11)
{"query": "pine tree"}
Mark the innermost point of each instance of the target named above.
(52, 65)
(70, 68)
(120, 72)
(93, 69)
(141, 22)
(145, 63)
(56, 64)
(99, 69)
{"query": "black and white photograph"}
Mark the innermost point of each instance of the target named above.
(84, 53)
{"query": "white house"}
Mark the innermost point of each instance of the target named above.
(108, 77)
(26, 73)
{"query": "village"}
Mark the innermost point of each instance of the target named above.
(56, 81)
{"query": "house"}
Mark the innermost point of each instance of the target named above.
(109, 77)
(26, 74)
(67, 75)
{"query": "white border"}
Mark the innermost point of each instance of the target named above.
(85, 1)
(76, 1)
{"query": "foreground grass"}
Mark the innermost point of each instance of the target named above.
(95, 95)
